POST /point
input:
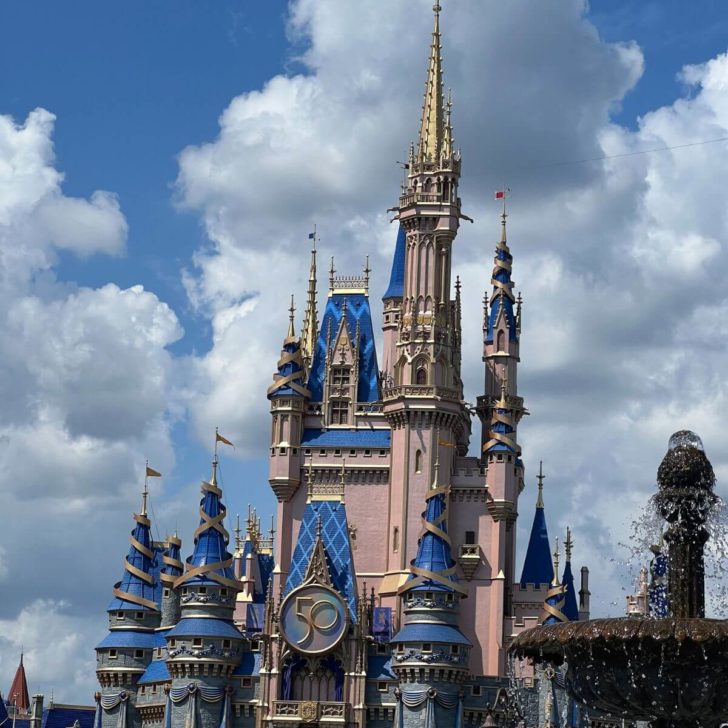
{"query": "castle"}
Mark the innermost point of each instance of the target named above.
(390, 593)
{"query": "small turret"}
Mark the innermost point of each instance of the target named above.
(553, 605)
(18, 696)
(430, 653)
(171, 571)
(309, 332)
(571, 609)
(537, 568)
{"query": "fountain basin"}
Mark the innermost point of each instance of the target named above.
(673, 672)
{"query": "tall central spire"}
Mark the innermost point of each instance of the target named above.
(433, 123)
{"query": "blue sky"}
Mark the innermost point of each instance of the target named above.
(134, 85)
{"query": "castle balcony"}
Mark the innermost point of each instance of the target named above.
(293, 712)
(419, 390)
(469, 559)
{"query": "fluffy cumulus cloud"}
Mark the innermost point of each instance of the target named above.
(620, 260)
(84, 381)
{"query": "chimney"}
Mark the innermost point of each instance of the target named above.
(584, 594)
(36, 711)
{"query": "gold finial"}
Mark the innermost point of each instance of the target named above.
(568, 544)
(519, 303)
(504, 216)
(367, 271)
(436, 478)
(238, 531)
(309, 479)
(145, 492)
(332, 273)
(458, 285)
(291, 314)
(541, 477)
(556, 581)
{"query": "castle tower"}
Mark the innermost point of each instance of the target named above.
(392, 301)
(430, 653)
(288, 396)
(204, 647)
(124, 654)
(171, 571)
(500, 409)
(553, 605)
(18, 696)
(537, 567)
(571, 609)
(423, 390)
(318, 655)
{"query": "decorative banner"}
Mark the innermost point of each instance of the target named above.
(382, 624)
(254, 618)
(314, 619)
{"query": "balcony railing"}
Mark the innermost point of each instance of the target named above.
(309, 711)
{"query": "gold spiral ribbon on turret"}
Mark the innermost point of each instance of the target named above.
(554, 610)
(170, 579)
(425, 575)
(134, 571)
(499, 265)
(281, 381)
(209, 571)
(502, 437)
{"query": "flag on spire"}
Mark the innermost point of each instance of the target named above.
(152, 473)
(224, 440)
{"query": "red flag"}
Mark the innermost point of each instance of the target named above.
(500, 195)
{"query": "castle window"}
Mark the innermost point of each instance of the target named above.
(172, 642)
(367, 453)
(255, 645)
(421, 376)
(112, 654)
(400, 647)
(322, 453)
(166, 592)
(395, 539)
(139, 615)
(247, 682)
(381, 649)
(197, 642)
(341, 377)
(120, 615)
(144, 689)
(501, 341)
(470, 537)
(500, 457)
(428, 595)
(295, 451)
(418, 461)
(282, 450)
(223, 592)
(159, 651)
(455, 649)
(226, 644)
(426, 647)
(337, 453)
(203, 590)
(307, 451)
(339, 412)
(476, 691)
(139, 654)
(352, 453)
(382, 686)
(382, 453)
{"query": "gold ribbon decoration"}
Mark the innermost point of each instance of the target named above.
(501, 437)
(136, 571)
(170, 562)
(209, 571)
(557, 593)
(424, 575)
(281, 380)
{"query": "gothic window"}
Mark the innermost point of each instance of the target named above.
(341, 377)
(421, 376)
(395, 539)
(339, 412)
(418, 461)
(428, 184)
(501, 340)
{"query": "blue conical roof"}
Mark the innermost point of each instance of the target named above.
(210, 561)
(289, 379)
(396, 279)
(138, 588)
(433, 568)
(570, 610)
(173, 567)
(502, 298)
(538, 568)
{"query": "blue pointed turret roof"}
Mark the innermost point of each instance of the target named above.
(396, 278)
(433, 568)
(571, 609)
(211, 562)
(358, 317)
(138, 589)
(329, 518)
(502, 298)
(172, 566)
(289, 380)
(538, 567)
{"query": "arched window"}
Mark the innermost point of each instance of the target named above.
(418, 461)
(428, 184)
(395, 539)
(501, 340)
(421, 376)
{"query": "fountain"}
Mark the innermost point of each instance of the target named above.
(670, 671)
